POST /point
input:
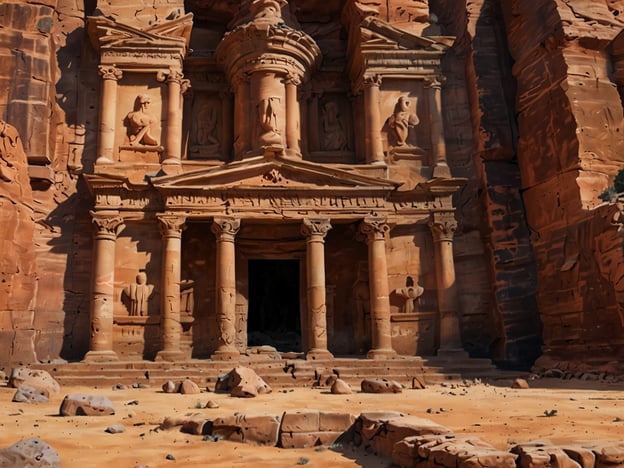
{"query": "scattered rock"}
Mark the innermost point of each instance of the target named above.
(170, 457)
(340, 387)
(119, 387)
(115, 429)
(188, 387)
(30, 453)
(418, 383)
(520, 383)
(39, 379)
(80, 404)
(381, 386)
(27, 394)
(242, 382)
(171, 387)
(212, 404)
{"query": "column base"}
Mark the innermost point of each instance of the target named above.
(441, 170)
(455, 353)
(381, 354)
(170, 356)
(225, 354)
(104, 160)
(100, 356)
(318, 354)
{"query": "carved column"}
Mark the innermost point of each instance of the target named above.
(293, 126)
(241, 116)
(109, 225)
(108, 109)
(176, 85)
(443, 227)
(225, 229)
(170, 328)
(440, 168)
(372, 119)
(315, 230)
(375, 230)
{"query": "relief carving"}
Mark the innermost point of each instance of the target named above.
(137, 296)
(268, 115)
(334, 137)
(402, 120)
(141, 123)
(410, 293)
(187, 297)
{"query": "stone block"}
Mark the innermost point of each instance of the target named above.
(79, 404)
(300, 421)
(261, 429)
(335, 422)
(540, 454)
(308, 439)
(381, 386)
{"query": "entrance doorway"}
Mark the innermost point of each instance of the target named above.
(274, 308)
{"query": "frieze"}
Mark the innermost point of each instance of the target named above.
(126, 199)
(147, 56)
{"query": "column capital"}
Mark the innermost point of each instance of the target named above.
(110, 72)
(443, 226)
(171, 224)
(173, 75)
(315, 227)
(435, 82)
(374, 228)
(292, 78)
(372, 80)
(108, 224)
(225, 228)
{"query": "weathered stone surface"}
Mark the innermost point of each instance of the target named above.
(308, 439)
(35, 378)
(382, 430)
(450, 451)
(27, 394)
(243, 382)
(79, 404)
(191, 420)
(261, 429)
(187, 386)
(543, 454)
(30, 453)
(300, 421)
(381, 386)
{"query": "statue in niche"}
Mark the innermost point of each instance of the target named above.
(207, 125)
(409, 293)
(187, 297)
(140, 123)
(401, 120)
(268, 114)
(334, 137)
(138, 295)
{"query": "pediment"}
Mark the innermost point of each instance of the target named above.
(276, 174)
(380, 35)
(108, 34)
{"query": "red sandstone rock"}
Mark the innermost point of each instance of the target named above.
(243, 382)
(79, 404)
(381, 386)
(340, 387)
(35, 378)
(30, 453)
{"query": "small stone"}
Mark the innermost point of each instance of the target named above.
(119, 387)
(418, 383)
(212, 404)
(133, 403)
(170, 387)
(188, 387)
(340, 387)
(115, 429)
(170, 457)
(28, 394)
(520, 383)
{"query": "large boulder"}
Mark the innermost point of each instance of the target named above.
(27, 394)
(242, 382)
(35, 378)
(33, 453)
(80, 404)
(381, 386)
(260, 429)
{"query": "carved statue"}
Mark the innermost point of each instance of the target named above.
(409, 293)
(334, 138)
(268, 114)
(207, 125)
(402, 119)
(187, 297)
(138, 294)
(140, 123)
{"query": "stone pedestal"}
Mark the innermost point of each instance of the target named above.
(109, 225)
(443, 227)
(315, 230)
(374, 230)
(170, 326)
(225, 229)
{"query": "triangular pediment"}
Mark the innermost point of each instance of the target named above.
(108, 34)
(272, 174)
(380, 35)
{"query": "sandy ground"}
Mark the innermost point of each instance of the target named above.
(498, 414)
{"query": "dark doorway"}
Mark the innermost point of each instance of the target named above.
(273, 317)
